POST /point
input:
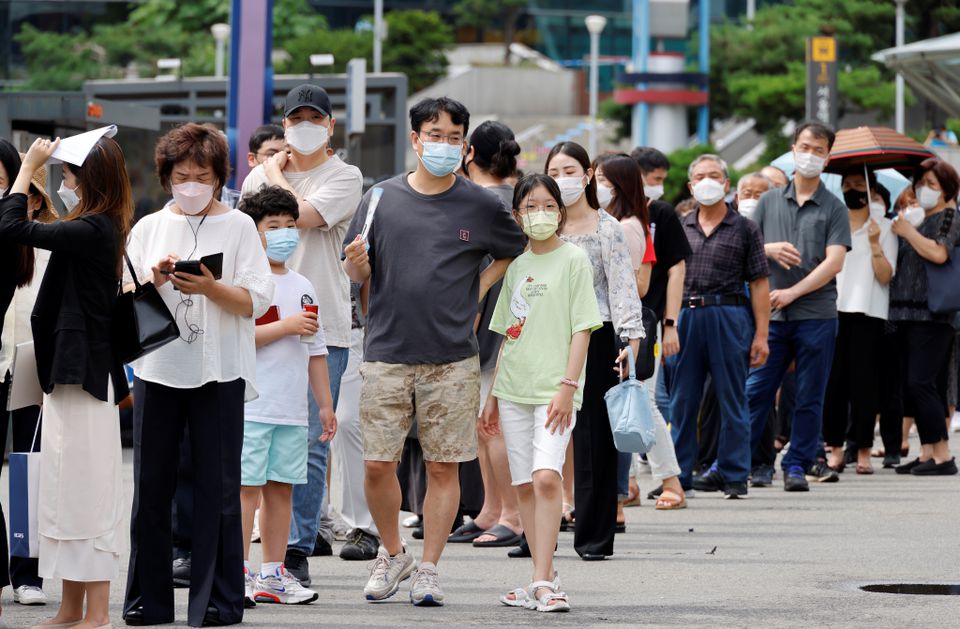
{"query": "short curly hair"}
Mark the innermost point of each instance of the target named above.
(270, 201)
(202, 144)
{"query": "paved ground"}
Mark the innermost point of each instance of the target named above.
(774, 559)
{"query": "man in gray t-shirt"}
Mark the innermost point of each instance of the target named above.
(422, 256)
(807, 235)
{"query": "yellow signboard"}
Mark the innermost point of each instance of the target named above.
(823, 49)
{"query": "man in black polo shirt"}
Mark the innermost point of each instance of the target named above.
(717, 331)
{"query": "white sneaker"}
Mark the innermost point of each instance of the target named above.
(425, 590)
(955, 422)
(29, 595)
(282, 589)
(248, 584)
(387, 572)
(411, 522)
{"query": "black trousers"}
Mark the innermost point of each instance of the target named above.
(214, 414)
(925, 348)
(891, 390)
(183, 502)
(853, 390)
(594, 454)
(19, 571)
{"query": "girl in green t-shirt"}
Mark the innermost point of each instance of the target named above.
(546, 312)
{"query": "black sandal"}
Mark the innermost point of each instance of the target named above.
(503, 536)
(465, 533)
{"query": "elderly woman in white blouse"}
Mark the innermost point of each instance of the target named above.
(199, 382)
(863, 302)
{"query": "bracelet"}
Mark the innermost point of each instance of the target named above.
(570, 382)
(878, 255)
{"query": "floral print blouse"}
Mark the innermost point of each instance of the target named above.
(613, 278)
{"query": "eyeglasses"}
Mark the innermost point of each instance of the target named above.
(268, 153)
(453, 139)
(548, 207)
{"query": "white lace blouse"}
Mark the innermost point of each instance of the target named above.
(613, 278)
(214, 345)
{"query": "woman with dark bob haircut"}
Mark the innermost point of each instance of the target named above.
(926, 337)
(198, 382)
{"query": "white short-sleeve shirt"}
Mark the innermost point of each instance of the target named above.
(214, 345)
(858, 290)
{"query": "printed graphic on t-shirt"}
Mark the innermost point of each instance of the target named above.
(520, 307)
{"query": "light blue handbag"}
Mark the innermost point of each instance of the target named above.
(630, 412)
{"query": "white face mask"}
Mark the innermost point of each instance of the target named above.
(747, 207)
(307, 137)
(708, 191)
(928, 197)
(571, 189)
(914, 215)
(68, 196)
(877, 210)
(192, 197)
(808, 165)
(653, 193)
(604, 195)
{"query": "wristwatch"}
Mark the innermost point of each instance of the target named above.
(669, 323)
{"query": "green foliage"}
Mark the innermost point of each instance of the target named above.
(760, 72)
(620, 115)
(415, 45)
(483, 13)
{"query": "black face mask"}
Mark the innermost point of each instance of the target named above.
(855, 199)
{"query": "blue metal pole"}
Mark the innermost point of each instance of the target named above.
(641, 52)
(233, 79)
(703, 115)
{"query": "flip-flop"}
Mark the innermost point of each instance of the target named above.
(669, 506)
(465, 534)
(503, 536)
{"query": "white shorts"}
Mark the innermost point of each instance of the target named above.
(530, 446)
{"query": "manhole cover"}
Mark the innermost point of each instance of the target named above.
(934, 589)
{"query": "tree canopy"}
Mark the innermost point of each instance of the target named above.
(157, 29)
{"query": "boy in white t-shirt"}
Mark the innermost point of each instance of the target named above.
(291, 354)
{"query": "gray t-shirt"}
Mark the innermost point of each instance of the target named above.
(425, 254)
(823, 221)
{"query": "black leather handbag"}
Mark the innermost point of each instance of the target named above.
(142, 322)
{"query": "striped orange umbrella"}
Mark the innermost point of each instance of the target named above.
(877, 147)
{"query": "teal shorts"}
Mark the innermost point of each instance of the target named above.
(273, 452)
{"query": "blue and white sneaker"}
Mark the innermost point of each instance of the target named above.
(425, 588)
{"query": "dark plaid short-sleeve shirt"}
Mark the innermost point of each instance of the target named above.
(721, 262)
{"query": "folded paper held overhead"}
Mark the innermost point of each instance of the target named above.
(74, 150)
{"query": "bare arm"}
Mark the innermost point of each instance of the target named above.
(760, 303)
(825, 271)
(233, 299)
(675, 277)
(493, 274)
(643, 279)
(356, 264)
(320, 386)
(882, 269)
(301, 324)
(560, 409)
(273, 169)
(926, 248)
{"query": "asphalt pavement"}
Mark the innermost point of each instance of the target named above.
(772, 560)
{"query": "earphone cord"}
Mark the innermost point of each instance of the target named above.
(185, 301)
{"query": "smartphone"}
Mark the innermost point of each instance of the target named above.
(213, 262)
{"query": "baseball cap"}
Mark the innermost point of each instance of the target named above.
(307, 95)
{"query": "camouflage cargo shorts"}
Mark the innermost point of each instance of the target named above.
(444, 398)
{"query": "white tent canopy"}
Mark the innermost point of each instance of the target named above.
(931, 67)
